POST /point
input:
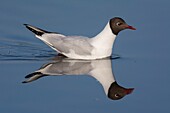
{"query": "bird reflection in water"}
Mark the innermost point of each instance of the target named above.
(99, 69)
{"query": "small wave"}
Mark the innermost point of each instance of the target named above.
(19, 50)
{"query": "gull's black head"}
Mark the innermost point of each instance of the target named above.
(117, 92)
(117, 24)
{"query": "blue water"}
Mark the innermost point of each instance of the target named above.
(143, 63)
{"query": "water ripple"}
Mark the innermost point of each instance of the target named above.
(21, 50)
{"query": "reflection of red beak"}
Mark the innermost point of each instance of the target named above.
(129, 91)
(131, 27)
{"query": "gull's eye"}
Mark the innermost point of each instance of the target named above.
(118, 23)
(117, 95)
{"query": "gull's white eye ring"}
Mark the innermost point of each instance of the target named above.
(116, 95)
(118, 23)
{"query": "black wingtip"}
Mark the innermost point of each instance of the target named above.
(33, 74)
(24, 82)
(35, 30)
(26, 25)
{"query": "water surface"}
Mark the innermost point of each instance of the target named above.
(143, 63)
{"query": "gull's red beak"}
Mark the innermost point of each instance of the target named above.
(131, 27)
(129, 91)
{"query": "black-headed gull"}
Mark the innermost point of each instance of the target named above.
(101, 70)
(78, 47)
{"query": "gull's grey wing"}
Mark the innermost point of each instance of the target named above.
(66, 67)
(61, 43)
(79, 45)
(63, 67)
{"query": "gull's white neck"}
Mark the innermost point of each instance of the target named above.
(102, 71)
(103, 42)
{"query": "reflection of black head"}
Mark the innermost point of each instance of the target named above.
(117, 92)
